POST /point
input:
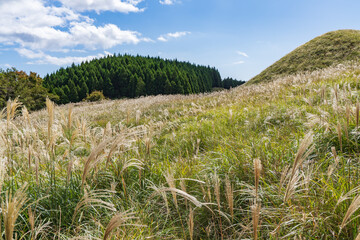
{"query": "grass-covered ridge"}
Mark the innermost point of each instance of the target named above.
(275, 160)
(329, 49)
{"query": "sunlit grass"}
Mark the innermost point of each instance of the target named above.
(275, 160)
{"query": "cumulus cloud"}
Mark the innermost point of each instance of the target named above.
(242, 53)
(103, 5)
(168, 36)
(35, 27)
(105, 37)
(167, 2)
(40, 57)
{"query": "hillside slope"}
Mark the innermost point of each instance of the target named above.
(279, 160)
(321, 52)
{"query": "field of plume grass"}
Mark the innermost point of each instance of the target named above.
(278, 160)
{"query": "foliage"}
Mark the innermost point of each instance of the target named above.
(329, 49)
(131, 76)
(231, 83)
(95, 96)
(27, 88)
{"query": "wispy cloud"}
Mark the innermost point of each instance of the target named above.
(40, 57)
(168, 36)
(238, 62)
(103, 5)
(167, 2)
(242, 53)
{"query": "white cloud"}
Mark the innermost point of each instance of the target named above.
(43, 58)
(242, 53)
(105, 37)
(162, 39)
(38, 26)
(167, 2)
(103, 5)
(238, 62)
(168, 36)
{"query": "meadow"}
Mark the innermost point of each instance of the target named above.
(277, 160)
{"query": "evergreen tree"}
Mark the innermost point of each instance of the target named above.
(130, 76)
(132, 86)
(140, 87)
(84, 90)
(73, 95)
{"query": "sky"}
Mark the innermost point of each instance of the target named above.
(238, 37)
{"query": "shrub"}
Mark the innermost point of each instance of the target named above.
(95, 96)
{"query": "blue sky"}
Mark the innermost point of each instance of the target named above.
(239, 37)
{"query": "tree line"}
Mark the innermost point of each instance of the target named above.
(116, 76)
(119, 76)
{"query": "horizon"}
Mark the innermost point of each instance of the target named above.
(239, 38)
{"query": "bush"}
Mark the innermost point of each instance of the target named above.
(95, 96)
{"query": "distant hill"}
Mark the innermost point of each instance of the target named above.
(120, 76)
(321, 52)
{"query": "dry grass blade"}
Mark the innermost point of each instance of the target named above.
(171, 182)
(42, 229)
(181, 193)
(11, 108)
(339, 132)
(50, 110)
(95, 199)
(305, 149)
(284, 176)
(191, 223)
(2, 172)
(217, 189)
(229, 196)
(92, 159)
(255, 209)
(336, 162)
(31, 220)
(292, 185)
(348, 195)
(137, 117)
(11, 210)
(116, 221)
(163, 195)
(26, 115)
(355, 205)
(357, 237)
(69, 117)
(257, 171)
(357, 114)
(302, 154)
(115, 144)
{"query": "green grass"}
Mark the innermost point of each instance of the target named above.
(331, 48)
(182, 167)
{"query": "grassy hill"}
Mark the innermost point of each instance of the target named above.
(276, 160)
(328, 49)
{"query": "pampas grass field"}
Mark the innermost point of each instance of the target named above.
(278, 160)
